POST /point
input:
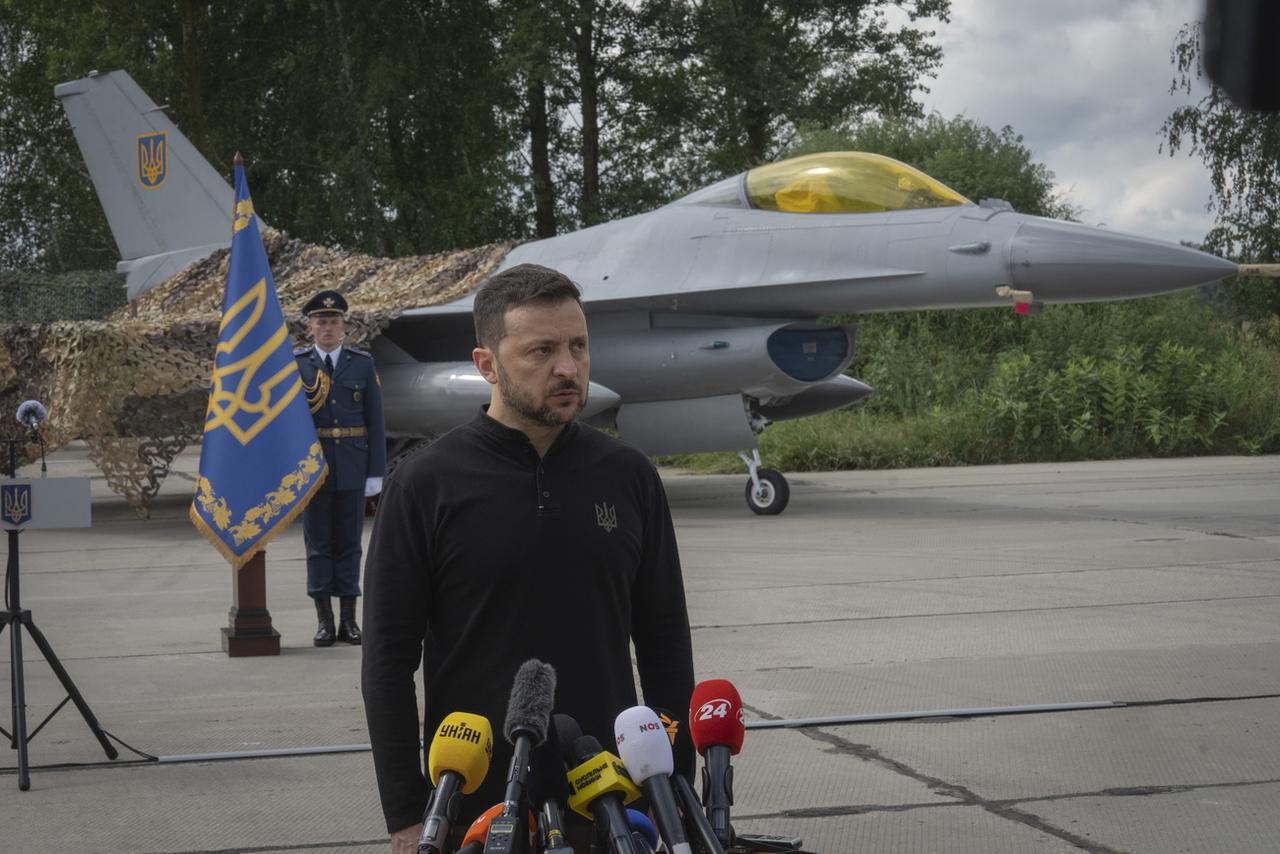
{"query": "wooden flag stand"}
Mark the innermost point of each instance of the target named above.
(249, 631)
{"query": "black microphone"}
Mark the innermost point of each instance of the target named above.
(548, 788)
(532, 695)
(697, 824)
(600, 788)
(693, 814)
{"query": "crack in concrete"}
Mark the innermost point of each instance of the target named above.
(962, 795)
(1005, 808)
(1117, 792)
(1162, 566)
(1146, 791)
(936, 614)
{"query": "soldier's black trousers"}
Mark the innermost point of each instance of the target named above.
(331, 526)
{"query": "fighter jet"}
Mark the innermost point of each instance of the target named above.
(704, 312)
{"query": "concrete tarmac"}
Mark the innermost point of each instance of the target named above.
(1154, 584)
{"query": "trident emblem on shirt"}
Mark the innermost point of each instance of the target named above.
(606, 517)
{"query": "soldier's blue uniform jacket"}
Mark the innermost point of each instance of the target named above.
(348, 414)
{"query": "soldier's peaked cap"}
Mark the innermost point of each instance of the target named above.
(325, 302)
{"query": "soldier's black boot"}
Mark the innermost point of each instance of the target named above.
(348, 631)
(324, 611)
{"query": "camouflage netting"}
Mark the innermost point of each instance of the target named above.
(30, 297)
(135, 386)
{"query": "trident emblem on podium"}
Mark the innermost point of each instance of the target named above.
(16, 503)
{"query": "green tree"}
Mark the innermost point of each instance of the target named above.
(384, 126)
(49, 215)
(753, 71)
(397, 127)
(969, 157)
(1242, 152)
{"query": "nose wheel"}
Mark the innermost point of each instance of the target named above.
(767, 490)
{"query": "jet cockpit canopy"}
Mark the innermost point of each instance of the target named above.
(846, 182)
(831, 182)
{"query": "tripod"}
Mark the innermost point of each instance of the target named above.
(16, 618)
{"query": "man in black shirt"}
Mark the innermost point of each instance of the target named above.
(523, 534)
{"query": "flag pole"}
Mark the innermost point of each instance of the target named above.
(261, 461)
(249, 631)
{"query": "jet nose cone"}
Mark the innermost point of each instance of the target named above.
(1068, 262)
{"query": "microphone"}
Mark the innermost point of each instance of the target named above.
(645, 749)
(642, 830)
(568, 730)
(478, 832)
(473, 841)
(528, 710)
(31, 414)
(599, 788)
(457, 762)
(715, 724)
(548, 788)
(693, 815)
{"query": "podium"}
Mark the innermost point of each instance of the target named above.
(26, 503)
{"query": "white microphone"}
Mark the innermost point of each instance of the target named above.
(645, 749)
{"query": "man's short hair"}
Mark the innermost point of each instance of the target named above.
(520, 285)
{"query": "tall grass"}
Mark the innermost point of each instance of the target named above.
(1158, 377)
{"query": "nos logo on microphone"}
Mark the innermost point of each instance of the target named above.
(717, 709)
(646, 726)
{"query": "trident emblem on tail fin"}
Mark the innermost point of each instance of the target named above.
(153, 159)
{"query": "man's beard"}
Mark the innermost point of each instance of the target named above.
(528, 408)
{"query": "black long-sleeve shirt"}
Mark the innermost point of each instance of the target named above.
(484, 555)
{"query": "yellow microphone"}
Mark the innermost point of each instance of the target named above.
(457, 763)
(600, 789)
(600, 775)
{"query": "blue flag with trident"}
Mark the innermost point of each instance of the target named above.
(261, 460)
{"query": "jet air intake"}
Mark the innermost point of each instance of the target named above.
(809, 355)
(687, 389)
(764, 361)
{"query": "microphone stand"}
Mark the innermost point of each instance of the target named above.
(39, 440)
(16, 617)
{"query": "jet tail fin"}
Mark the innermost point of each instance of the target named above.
(165, 203)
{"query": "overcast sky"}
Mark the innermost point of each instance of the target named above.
(1086, 83)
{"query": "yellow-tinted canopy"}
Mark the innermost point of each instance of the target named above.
(846, 182)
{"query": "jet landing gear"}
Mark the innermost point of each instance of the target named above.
(767, 490)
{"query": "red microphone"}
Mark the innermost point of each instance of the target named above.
(716, 727)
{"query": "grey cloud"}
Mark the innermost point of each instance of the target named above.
(1087, 85)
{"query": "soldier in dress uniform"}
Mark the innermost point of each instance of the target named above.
(345, 396)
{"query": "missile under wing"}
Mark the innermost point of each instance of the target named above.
(703, 313)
